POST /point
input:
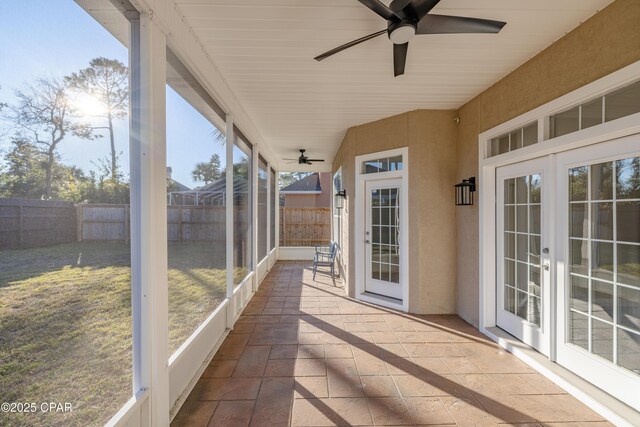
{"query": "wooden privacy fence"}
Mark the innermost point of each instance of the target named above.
(29, 223)
(184, 223)
(305, 226)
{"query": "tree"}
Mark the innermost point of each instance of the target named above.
(106, 81)
(43, 117)
(208, 172)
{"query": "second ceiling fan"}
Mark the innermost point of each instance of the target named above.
(407, 18)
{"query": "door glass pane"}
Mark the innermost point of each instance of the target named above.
(601, 181)
(607, 292)
(578, 181)
(627, 181)
(629, 350)
(602, 300)
(602, 339)
(523, 247)
(385, 230)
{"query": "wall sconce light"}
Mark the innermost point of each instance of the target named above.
(464, 191)
(339, 198)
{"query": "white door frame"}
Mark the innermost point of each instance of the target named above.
(359, 202)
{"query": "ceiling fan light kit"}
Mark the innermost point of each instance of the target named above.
(408, 18)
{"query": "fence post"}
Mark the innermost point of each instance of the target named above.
(126, 223)
(180, 224)
(79, 222)
(20, 226)
(283, 229)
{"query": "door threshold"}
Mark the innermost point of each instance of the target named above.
(601, 402)
(382, 300)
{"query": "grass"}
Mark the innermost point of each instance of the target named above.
(65, 324)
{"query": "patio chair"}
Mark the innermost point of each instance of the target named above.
(325, 256)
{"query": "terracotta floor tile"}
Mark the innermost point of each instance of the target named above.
(320, 358)
(232, 346)
(461, 365)
(253, 361)
(310, 368)
(467, 412)
(343, 380)
(279, 333)
(375, 386)
(330, 412)
(274, 403)
(311, 387)
(220, 369)
(280, 368)
(430, 385)
(387, 411)
(194, 413)
(425, 410)
(233, 413)
(229, 388)
(370, 365)
(283, 352)
(338, 351)
(310, 351)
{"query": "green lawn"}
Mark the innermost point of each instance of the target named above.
(65, 323)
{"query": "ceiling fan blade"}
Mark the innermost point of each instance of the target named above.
(315, 160)
(399, 58)
(444, 24)
(398, 5)
(380, 9)
(348, 45)
(420, 8)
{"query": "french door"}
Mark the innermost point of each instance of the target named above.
(598, 242)
(382, 237)
(523, 255)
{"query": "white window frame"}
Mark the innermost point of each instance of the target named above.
(359, 252)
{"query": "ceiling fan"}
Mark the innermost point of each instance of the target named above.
(304, 160)
(407, 18)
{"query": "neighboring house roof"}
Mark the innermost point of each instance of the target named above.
(310, 184)
(178, 185)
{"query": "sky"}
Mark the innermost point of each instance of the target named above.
(41, 38)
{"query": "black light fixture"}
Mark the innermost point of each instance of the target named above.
(339, 198)
(464, 191)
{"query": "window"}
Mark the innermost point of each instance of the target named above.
(382, 165)
(519, 138)
(263, 178)
(242, 193)
(611, 106)
(65, 262)
(272, 206)
(196, 219)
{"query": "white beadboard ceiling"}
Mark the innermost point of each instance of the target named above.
(265, 50)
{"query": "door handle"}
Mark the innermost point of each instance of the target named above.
(367, 242)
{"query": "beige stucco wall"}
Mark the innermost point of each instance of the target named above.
(603, 44)
(430, 137)
(444, 240)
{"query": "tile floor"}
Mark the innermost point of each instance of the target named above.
(303, 354)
